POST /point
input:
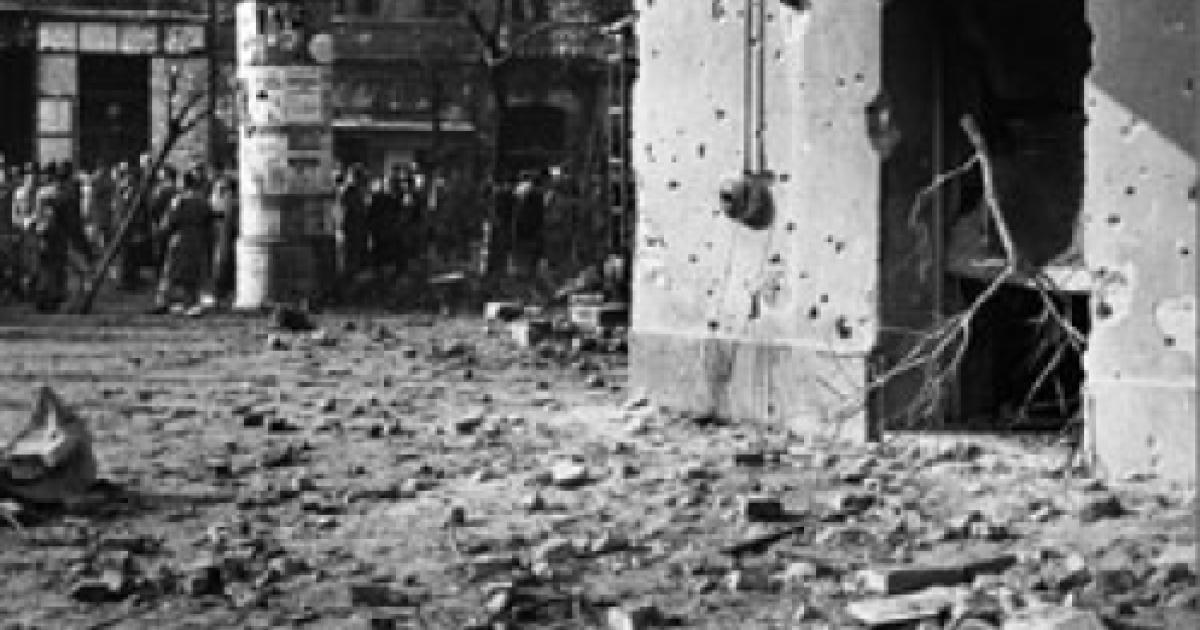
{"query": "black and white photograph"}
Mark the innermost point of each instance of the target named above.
(599, 314)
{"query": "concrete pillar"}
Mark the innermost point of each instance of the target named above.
(285, 151)
(1140, 237)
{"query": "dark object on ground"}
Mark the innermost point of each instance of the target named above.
(293, 318)
(51, 459)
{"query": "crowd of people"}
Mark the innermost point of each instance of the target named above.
(178, 227)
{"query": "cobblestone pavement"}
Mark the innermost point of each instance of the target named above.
(397, 471)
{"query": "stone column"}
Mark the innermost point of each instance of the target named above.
(285, 151)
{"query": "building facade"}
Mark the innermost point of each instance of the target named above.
(797, 300)
(86, 80)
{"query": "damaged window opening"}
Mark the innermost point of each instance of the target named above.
(1017, 67)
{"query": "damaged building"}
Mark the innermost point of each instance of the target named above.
(863, 216)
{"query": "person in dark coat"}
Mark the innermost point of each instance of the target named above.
(383, 213)
(528, 221)
(71, 195)
(52, 242)
(409, 228)
(225, 206)
(185, 232)
(138, 251)
(350, 222)
(162, 194)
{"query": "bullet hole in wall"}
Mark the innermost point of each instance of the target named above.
(790, 227)
(1185, 251)
(693, 259)
(1130, 191)
(824, 299)
(1113, 219)
(1169, 341)
(785, 178)
(1104, 310)
(843, 328)
(720, 114)
(775, 259)
(700, 150)
(814, 312)
(673, 184)
(714, 325)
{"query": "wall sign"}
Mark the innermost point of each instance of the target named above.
(279, 162)
(286, 95)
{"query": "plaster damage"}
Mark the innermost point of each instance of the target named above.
(781, 319)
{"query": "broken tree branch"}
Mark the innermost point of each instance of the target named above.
(190, 114)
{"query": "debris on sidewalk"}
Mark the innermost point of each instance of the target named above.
(51, 459)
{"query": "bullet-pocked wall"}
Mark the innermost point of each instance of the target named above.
(772, 318)
(1140, 236)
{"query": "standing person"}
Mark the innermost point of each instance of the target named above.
(224, 201)
(528, 221)
(183, 230)
(138, 250)
(97, 205)
(52, 242)
(500, 226)
(71, 191)
(23, 218)
(382, 217)
(410, 202)
(162, 193)
(350, 222)
(10, 250)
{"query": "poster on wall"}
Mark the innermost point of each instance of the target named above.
(263, 159)
(306, 88)
(286, 95)
(280, 163)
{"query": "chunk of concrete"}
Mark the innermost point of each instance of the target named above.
(51, 459)
(903, 609)
(895, 579)
(502, 311)
(1054, 618)
(529, 333)
(599, 316)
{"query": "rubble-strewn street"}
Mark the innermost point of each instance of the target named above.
(414, 472)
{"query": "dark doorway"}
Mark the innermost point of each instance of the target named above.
(1016, 68)
(533, 136)
(16, 104)
(114, 108)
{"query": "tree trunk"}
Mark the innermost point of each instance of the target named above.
(498, 82)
